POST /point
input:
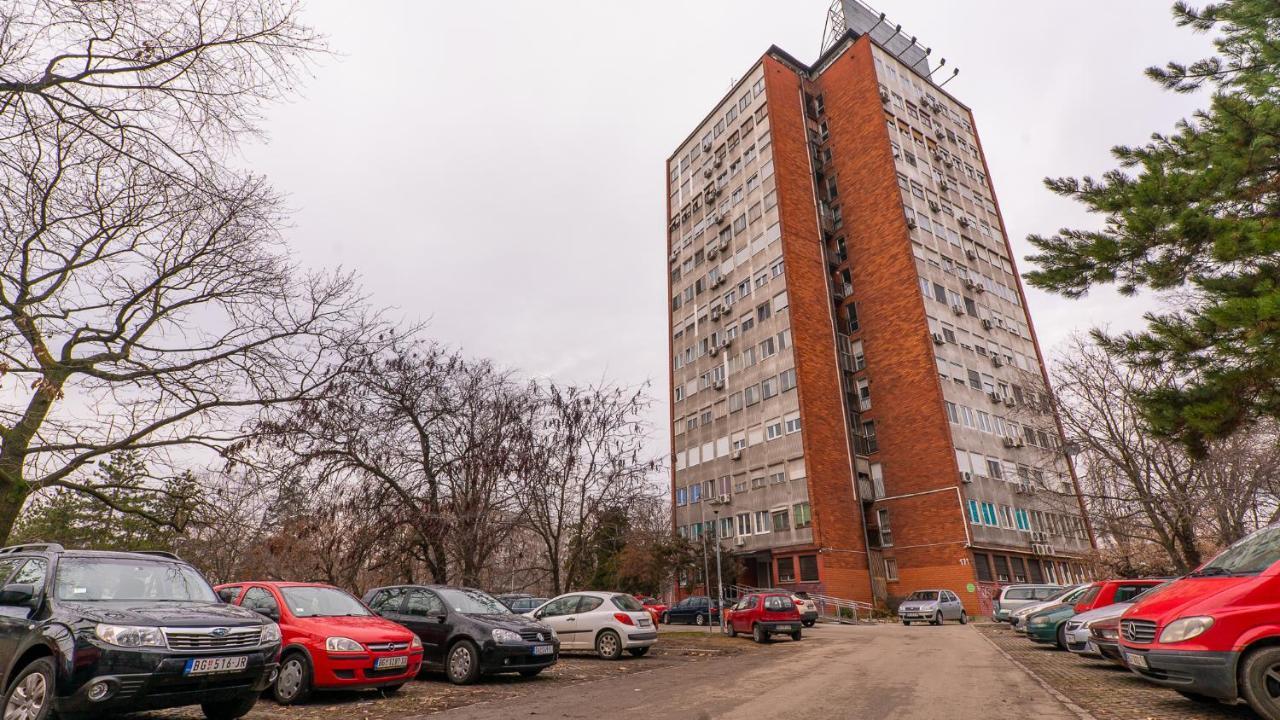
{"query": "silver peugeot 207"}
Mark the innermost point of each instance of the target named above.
(933, 607)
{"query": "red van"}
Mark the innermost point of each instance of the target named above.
(1109, 592)
(1216, 632)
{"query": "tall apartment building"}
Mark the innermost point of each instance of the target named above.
(858, 398)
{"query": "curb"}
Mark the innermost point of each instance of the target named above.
(1053, 692)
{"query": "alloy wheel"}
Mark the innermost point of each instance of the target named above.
(27, 699)
(699, 620)
(608, 645)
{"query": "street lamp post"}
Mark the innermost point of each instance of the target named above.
(719, 580)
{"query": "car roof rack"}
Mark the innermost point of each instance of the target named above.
(32, 547)
(158, 553)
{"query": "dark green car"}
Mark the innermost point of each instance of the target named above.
(1049, 626)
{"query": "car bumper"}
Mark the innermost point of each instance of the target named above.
(500, 658)
(781, 628)
(164, 686)
(809, 615)
(1000, 615)
(917, 614)
(1078, 641)
(1110, 651)
(357, 671)
(1205, 673)
(639, 638)
(1043, 633)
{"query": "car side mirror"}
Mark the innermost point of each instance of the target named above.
(268, 613)
(17, 594)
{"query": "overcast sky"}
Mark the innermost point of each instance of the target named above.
(496, 168)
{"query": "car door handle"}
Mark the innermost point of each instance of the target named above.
(569, 619)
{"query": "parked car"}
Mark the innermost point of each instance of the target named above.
(90, 633)
(1213, 634)
(1013, 597)
(1078, 628)
(331, 641)
(932, 606)
(521, 603)
(1050, 624)
(1068, 594)
(655, 606)
(695, 610)
(606, 622)
(467, 633)
(1105, 636)
(1107, 592)
(807, 607)
(764, 615)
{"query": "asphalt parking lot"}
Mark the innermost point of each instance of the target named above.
(1105, 690)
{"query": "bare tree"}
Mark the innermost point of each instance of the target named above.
(585, 455)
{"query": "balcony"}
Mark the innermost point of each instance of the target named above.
(866, 491)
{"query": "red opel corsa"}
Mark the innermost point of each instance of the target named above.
(331, 641)
(1215, 634)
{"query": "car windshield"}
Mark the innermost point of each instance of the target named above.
(626, 602)
(93, 579)
(923, 595)
(321, 602)
(1250, 556)
(472, 602)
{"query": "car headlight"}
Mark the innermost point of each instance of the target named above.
(130, 636)
(1039, 621)
(505, 636)
(270, 634)
(1185, 629)
(416, 642)
(342, 644)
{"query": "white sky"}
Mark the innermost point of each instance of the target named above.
(497, 167)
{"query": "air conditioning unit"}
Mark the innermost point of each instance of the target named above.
(675, 256)
(727, 341)
(1041, 549)
(1010, 442)
(724, 245)
(911, 223)
(940, 134)
(1020, 488)
(938, 339)
(719, 218)
(937, 157)
(724, 499)
(884, 96)
(971, 254)
(739, 541)
(935, 207)
(987, 324)
(715, 313)
(1039, 537)
(706, 145)
(1008, 400)
(718, 161)
(1019, 442)
(736, 455)
(675, 223)
(980, 288)
(944, 186)
(995, 360)
(964, 221)
(957, 309)
(711, 252)
(715, 350)
(966, 477)
(707, 173)
(718, 384)
(995, 396)
(970, 283)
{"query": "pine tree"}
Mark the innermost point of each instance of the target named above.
(1196, 212)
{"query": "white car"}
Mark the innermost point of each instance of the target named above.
(608, 623)
(1068, 594)
(1078, 627)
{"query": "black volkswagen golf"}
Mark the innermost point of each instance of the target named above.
(85, 634)
(467, 633)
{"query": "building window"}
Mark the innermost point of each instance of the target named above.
(773, 430)
(744, 523)
(788, 379)
(989, 514)
(891, 569)
(802, 518)
(762, 521)
(808, 568)
(769, 388)
(682, 497)
(781, 521)
(974, 516)
(886, 533)
(792, 424)
(1002, 568)
(786, 570)
(983, 566)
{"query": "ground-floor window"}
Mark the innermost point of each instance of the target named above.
(1019, 570)
(983, 565)
(786, 570)
(1002, 568)
(890, 569)
(1037, 576)
(809, 568)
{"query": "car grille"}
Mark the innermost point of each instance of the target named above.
(1138, 631)
(388, 647)
(212, 639)
(534, 635)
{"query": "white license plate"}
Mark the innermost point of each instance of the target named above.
(394, 661)
(207, 666)
(784, 627)
(543, 649)
(1137, 661)
(645, 622)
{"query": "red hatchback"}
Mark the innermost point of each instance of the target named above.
(764, 615)
(330, 639)
(1216, 632)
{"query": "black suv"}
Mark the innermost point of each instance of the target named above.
(467, 633)
(87, 633)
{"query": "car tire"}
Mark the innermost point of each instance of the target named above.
(293, 682)
(639, 652)
(699, 619)
(906, 622)
(462, 663)
(733, 633)
(796, 636)
(531, 672)
(1060, 637)
(608, 645)
(228, 709)
(809, 623)
(391, 689)
(33, 689)
(666, 619)
(1262, 692)
(759, 635)
(937, 618)
(964, 618)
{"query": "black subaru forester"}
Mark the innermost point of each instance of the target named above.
(87, 633)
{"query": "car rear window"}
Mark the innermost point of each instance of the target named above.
(1046, 593)
(1019, 594)
(778, 603)
(626, 602)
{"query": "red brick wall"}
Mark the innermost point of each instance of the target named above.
(837, 520)
(911, 425)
